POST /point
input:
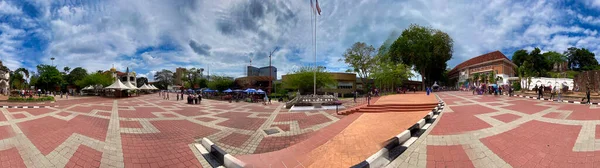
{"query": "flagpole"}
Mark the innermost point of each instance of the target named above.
(315, 52)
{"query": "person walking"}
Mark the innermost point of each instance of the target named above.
(414, 89)
(177, 94)
(427, 90)
(167, 95)
(558, 91)
(587, 95)
(355, 96)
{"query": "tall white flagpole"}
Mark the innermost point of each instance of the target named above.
(315, 52)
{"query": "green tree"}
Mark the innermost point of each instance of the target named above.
(389, 75)
(66, 69)
(141, 81)
(519, 57)
(75, 75)
(302, 79)
(581, 59)
(426, 49)
(475, 78)
(361, 57)
(18, 79)
(104, 79)
(220, 82)
(554, 58)
(49, 78)
(163, 78)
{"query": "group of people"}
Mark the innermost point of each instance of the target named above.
(495, 90)
(555, 92)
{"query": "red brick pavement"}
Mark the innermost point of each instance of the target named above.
(140, 112)
(241, 121)
(284, 127)
(447, 156)
(6, 132)
(83, 109)
(169, 148)
(581, 112)
(541, 144)
(10, 158)
(552, 115)
(456, 122)
(303, 119)
(526, 106)
(191, 111)
(35, 112)
(18, 116)
(48, 132)
(130, 124)
(506, 118)
(85, 157)
(235, 139)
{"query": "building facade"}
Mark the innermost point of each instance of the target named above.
(4, 77)
(125, 76)
(263, 71)
(491, 62)
(179, 76)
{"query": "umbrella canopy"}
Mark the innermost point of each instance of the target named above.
(228, 91)
(153, 87)
(238, 90)
(259, 91)
(128, 84)
(249, 90)
(86, 88)
(208, 90)
(145, 87)
(118, 85)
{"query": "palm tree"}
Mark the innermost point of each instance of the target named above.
(484, 77)
(475, 78)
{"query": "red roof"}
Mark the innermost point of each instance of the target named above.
(479, 59)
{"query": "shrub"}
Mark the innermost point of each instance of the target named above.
(30, 99)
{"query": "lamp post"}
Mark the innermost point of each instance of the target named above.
(52, 61)
(271, 72)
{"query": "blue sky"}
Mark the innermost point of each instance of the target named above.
(150, 35)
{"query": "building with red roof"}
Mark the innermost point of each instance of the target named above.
(491, 62)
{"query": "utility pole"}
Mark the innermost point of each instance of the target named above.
(52, 61)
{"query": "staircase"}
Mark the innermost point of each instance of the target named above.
(383, 108)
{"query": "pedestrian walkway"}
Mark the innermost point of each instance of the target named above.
(501, 131)
(348, 141)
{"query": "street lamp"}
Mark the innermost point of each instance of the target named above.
(52, 61)
(271, 71)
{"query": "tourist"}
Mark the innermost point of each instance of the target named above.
(427, 90)
(559, 94)
(587, 95)
(167, 95)
(414, 89)
(552, 93)
(355, 96)
(199, 98)
(177, 94)
(265, 99)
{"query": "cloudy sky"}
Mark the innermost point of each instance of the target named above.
(150, 35)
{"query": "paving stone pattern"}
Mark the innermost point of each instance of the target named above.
(501, 131)
(146, 131)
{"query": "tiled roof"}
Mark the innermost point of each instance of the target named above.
(479, 59)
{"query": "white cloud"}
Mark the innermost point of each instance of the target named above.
(150, 35)
(9, 9)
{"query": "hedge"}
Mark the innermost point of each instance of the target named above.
(20, 99)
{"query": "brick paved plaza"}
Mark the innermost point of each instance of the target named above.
(146, 131)
(489, 131)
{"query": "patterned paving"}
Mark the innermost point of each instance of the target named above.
(500, 131)
(146, 131)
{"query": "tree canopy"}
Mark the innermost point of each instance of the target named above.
(361, 57)
(302, 79)
(104, 79)
(49, 78)
(75, 75)
(141, 81)
(220, 83)
(581, 59)
(163, 78)
(426, 49)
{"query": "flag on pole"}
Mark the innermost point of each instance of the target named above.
(312, 6)
(318, 8)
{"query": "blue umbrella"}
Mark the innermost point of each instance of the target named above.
(250, 90)
(208, 90)
(228, 91)
(260, 91)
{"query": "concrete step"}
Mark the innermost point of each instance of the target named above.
(404, 105)
(393, 110)
(399, 107)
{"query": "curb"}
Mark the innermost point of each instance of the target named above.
(24, 107)
(216, 156)
(398, 144)
(568, 101)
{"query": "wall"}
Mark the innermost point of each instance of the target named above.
(547, 82)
